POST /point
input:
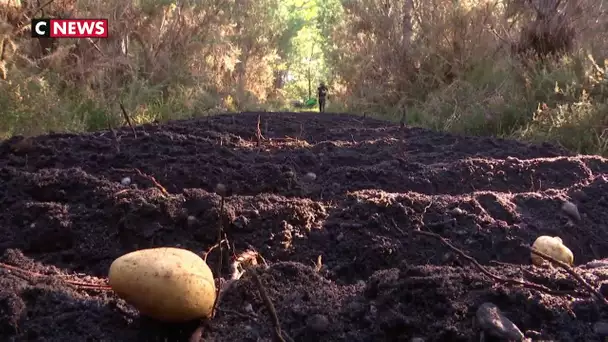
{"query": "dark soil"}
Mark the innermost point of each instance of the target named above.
(65, 213)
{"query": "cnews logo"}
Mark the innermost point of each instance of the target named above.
(69, 28)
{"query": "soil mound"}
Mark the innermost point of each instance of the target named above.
(346, 261)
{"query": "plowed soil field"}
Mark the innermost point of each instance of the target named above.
(345, 260)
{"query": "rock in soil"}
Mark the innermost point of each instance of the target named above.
(65, 215)
(494, 323)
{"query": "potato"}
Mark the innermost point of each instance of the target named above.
(552, 246)
(168, 284)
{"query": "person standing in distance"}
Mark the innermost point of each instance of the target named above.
(322, 94)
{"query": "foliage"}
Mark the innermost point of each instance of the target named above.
(528, 69)
(163, 60)
(477, 67)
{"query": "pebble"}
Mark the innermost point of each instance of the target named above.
(533, 334)
(572, 210)
(125, 181)
(310, 177)
(373, 310)
(191, 220)
(318, 323)
(457, 211)
(493, 322)
(601, 328)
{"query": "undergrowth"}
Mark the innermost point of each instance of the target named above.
(533, 70)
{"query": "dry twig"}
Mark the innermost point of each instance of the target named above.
(273, 313)
(123, 191)
(319, 264)
(208, 251)
(220, 189)
(32, 277)
(242, 261)
(197, 335)
(480, 267)
(571, 271)
(258, 133)
(124, 113)
(153, 180)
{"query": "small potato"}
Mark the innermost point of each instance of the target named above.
(552, 246)
(168, 284)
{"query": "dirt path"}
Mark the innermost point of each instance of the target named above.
(64, 211)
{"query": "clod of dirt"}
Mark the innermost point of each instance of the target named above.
(12, 308)
(241, 222)
(494, 323)
(318, 323)
(249, 308)
(572, 210)
(220, 189)
(601, 328)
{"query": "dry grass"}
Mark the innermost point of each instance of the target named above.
(521, 69)
(162, 61)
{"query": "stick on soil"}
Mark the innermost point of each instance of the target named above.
(571, 271)
(197, 335)
(273, 313)
(210, 249)
(480, 267)
(484, 270)
(32, 277)
(258, 132)
(246, 259)
(153, 180)
(220, 189)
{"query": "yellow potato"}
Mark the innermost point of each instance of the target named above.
(168, 284)
(552, 246)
